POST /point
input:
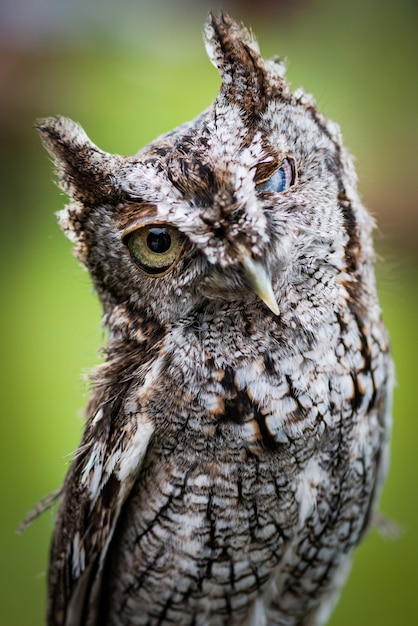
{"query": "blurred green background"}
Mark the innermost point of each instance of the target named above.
(129, 71)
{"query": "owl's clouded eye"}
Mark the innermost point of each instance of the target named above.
(281, 180)
(155, 248)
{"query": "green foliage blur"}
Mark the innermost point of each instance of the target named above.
(129, 75)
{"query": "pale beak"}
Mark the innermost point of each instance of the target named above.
(258, 280)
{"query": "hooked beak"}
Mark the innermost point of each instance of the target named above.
(258, 280)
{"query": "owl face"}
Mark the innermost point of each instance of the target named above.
(238, 208)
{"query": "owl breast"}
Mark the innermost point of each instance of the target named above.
(254, 487)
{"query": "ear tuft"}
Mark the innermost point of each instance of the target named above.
(85, 172)
(224, 38)
(246, 79)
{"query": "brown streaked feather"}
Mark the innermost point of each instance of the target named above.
(83, 533)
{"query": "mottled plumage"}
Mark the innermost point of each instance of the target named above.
(236, 435)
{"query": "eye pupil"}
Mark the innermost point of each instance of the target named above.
(154, 248)
(158, 240)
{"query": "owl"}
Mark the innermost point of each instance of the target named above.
(236, 437)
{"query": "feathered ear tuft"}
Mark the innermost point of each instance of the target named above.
(227, 42)
(85, 172)
(247, 79)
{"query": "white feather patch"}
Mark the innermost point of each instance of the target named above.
(306, 492)
(78, 562)
(134, 452)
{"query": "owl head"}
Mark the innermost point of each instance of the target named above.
(251, 207)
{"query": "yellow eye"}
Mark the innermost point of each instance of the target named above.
(155, 248)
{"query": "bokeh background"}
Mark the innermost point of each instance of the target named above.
(128, 71)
